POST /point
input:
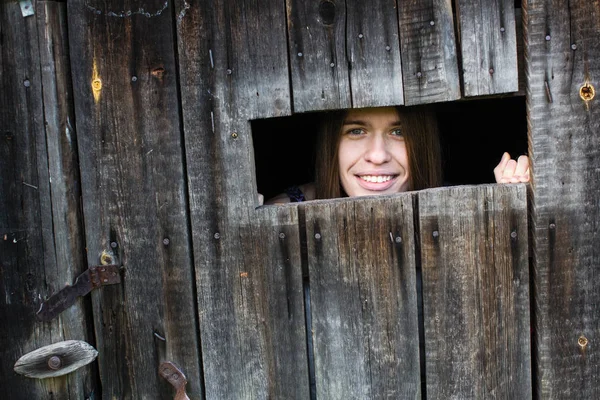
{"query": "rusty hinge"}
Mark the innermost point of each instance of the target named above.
(175, 377)
(92, 278)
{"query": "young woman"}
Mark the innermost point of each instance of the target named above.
(383, 150)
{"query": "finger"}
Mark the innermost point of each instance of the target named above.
(499, 170)
(522, 165)
(509, 172)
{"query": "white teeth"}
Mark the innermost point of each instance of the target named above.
(376, 178)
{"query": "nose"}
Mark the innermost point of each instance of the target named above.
(377, 151)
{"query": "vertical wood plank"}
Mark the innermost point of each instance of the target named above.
(476, 292)
(134, 193)
(363, 298)
(488, 46)
(41, 246)
(562, 53)
(253, 344)
(318, 62)
(429, 58)
(372, 40)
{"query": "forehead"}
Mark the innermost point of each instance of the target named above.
(371, 115)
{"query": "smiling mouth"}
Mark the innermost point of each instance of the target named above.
(377, 178)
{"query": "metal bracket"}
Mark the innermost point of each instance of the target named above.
(92, 278)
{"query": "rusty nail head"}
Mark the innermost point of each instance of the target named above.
(582, 341)
(97, 84)
(234, 135)
(54, 362)
(587, 92)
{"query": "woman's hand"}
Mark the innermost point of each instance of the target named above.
(511, 171)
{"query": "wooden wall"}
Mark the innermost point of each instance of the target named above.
(126, 134)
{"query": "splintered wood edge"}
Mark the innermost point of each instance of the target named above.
(72, 354)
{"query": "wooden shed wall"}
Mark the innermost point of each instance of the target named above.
(126, 134)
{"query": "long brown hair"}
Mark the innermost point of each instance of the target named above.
(419, 126)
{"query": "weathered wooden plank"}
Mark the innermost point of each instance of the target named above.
(363, 298)
(429, 60)
(41, 244)
(488, 46)
(318, 60)
(476, 292)
(373, 53)
(134, 193)
(250, 347)
(562, 48)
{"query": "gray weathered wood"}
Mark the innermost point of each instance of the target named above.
(253, 344)
(317, 52)
(476, 292)
(363, 298)
(488, 46)
(562, 44)
(373, 46)
(134, 193)
(56, 359)
(429, 57)
(41, 243)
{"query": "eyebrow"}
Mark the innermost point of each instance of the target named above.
(361, 122)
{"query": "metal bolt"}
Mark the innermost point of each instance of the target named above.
(332, 65)
(26, 83)
(436, 234)
(234, 135)
(54, 362)
(360, 36)
(113, 245)
(317, 236)
(282, 235)
(573, 46)
(587, 92)
(217, 235)
(300, 54)
(582, 342)
(548, 37)
(229, 72)
(166, 241)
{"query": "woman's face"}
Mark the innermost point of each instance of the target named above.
(372, 153)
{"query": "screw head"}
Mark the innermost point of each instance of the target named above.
(229, 72)
(573, 46)
(234, 135)
(54, 362)
(317, 236)
(26, 83)
(166, 241)
(113, 245)
(360, 36)
(217, 235)
(281, 235)
(548, 37)
(133, 78)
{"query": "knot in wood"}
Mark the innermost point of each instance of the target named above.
(54, 362)
(587, 92)
(327, 12)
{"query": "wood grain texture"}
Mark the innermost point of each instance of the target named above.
(134, 193)
(562, 44)
(373, 45)
(317, 52)
(41, 243)
(476, 292)
(250, 342)
(429, 56)
(488, 46)
(363, 298)
(56, 359)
